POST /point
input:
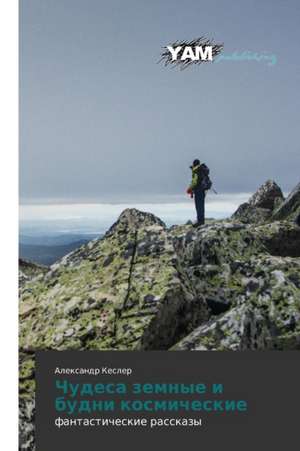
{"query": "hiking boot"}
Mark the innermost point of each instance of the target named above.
(198, 224)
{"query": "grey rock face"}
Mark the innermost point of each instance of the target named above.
(132, 219)
(290, 208)
(261, 205)
(269, 195)
(249, 214)
(255, 272)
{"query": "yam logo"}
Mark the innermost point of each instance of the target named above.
(184, 53)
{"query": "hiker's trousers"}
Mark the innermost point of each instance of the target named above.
(199, 195)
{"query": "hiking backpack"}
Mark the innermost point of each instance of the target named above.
(203, 173)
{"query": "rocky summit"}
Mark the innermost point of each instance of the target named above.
(227, 285)
(261, 205)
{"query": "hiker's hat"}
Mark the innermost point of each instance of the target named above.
(195, 163)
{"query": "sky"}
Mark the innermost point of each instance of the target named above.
(101, 121)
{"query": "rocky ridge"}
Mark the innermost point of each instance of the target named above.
(229, 285)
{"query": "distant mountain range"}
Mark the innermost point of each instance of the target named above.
(55, 239)
(48, 249)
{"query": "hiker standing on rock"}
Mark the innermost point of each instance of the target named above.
(198, 187)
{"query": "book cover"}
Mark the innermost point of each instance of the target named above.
(159, 247)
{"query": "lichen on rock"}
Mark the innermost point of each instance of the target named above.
(227, 285)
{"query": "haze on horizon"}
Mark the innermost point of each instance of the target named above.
(98, 217)
(100, 119)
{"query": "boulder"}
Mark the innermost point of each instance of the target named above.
(255, 271)
(249, 214)
(268, 196)
(261, 204)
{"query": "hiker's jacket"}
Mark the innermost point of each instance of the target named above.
(196, 177)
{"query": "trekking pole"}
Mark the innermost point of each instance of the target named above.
(214, 190)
